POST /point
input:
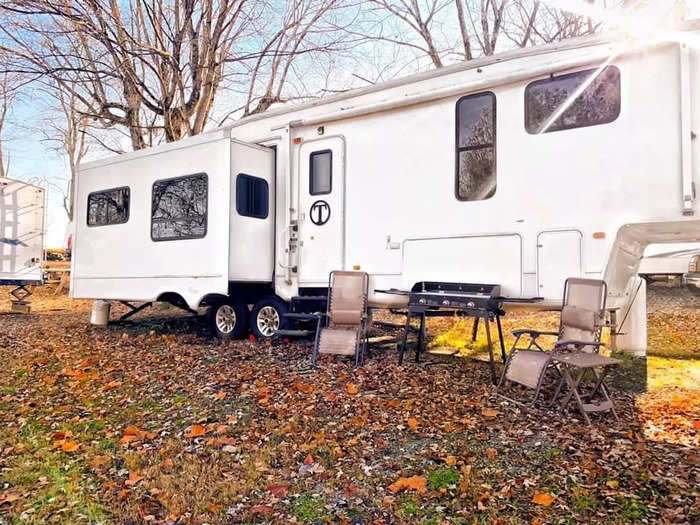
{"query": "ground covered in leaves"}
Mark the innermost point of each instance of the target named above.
(155, 421)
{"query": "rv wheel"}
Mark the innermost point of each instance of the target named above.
(266, 317)
(229, 320)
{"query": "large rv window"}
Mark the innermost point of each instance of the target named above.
(476, 147)
(320, 172)
(179, 208)
(252, 196)
(108, 207)
(597, 103)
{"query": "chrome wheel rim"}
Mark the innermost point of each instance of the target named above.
(268, 321)
(225, 319)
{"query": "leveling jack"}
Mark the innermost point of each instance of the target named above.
(19, 304)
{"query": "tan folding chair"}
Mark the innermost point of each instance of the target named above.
(580, 326)
(343, 328)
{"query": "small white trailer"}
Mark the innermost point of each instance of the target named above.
(520, 169)
(21, 238)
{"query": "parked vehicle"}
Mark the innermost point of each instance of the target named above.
(666, 264)
(21, 232)
(438, 176)
(691, 279)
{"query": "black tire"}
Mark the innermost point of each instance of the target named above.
(228, 319)
(266, 317)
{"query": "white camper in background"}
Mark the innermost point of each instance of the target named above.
(520, 169)
(21, 234)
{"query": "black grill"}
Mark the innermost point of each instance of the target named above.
(470, 298)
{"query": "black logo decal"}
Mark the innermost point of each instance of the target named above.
(320, 212)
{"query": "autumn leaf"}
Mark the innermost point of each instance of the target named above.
(416, 483)
(278, 489)
(696, 424)
(307, 389)
(489, 413)
(219, 395)
(413, 423)
(213, 508)
(308, 459)
(8, 497)
(196, 431)
(69, 446)
(612, 483)
(110, 386)
(451, 460)
(491, 453)
(543, 498)
(134, 478)
(353, 389)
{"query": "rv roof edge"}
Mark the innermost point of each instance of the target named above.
(203, 138)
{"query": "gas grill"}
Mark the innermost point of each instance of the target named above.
(467, 297)
(439, 299)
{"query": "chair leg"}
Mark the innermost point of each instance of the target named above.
(314, 354)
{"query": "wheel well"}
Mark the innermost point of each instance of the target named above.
(173, 298)
(212, 299)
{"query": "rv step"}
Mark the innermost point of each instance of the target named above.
(301, 316)
(310, 298)
(294, 333)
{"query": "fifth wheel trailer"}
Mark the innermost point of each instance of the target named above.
(21, 233)
(520, 169)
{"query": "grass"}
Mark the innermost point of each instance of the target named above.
(442, 478)
(308, 508)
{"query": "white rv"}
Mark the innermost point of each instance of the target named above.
(520, 169)
(21, 233)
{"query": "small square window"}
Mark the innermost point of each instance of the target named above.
(252, 196)
(321, 172)
(108, 207)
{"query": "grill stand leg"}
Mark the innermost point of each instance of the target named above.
(421, 337)
(500, 338)
(489, 342)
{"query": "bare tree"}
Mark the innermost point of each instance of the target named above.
(485, 27)
(142, 64)
(65, 130)
(8, 95)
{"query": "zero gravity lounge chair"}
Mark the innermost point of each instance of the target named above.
(580, 326)
(342, 329)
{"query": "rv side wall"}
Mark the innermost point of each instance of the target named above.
(252, 208)
(129, 258)
(21, 232)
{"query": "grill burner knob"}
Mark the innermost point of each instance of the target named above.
(421, 300)
(471, 304)
(446, 303)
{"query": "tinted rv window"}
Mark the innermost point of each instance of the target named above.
(597, 103)
(252, 196)
(476, 147)
(320, 172)
(179, 208)
(108, 207)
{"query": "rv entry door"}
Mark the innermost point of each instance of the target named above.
(321, 209)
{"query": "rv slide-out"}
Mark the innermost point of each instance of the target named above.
(21, 232)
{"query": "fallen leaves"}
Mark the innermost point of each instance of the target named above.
(69, 446)
(450, 460)
(353, 389)
(132, 433)
(414, 483)
(278, 489)
(134, 479)
(196, 431)
(412, 423)
(543, 498)
(489, 413)
(8, 496)
(301, 387)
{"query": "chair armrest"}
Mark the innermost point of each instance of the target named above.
(533, 333)
(577, 344)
